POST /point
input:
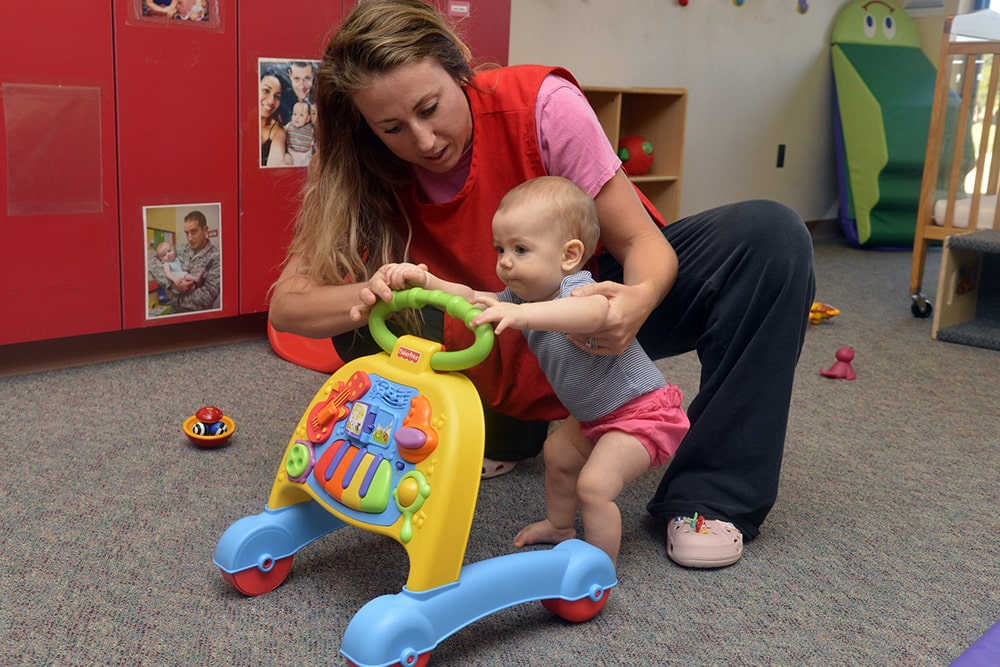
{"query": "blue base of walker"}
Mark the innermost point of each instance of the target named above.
(398, 629)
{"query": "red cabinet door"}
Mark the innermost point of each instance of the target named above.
(484, 26)
(283, 43)
(177, 151)
(58, 191)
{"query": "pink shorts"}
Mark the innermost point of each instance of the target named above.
(654, 419)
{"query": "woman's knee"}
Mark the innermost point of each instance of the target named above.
(774, 238)
(769, 224)
(758, 234)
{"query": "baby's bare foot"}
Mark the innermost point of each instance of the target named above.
(543, 532)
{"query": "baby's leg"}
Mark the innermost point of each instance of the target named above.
(565, 453)
(616, 460)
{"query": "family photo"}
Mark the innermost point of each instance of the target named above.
(183, 259)
(186, 10)
(287, 112)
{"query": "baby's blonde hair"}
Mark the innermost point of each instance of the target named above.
(564, 206)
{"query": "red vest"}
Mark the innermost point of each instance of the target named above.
(455, 239)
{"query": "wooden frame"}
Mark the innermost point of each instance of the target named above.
(962, 163)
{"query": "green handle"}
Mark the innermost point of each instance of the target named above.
(456, 306)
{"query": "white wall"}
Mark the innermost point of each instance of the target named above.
(757, 76)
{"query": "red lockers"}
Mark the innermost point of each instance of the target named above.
(177, 153)
(271, 38)
(58, 193)
(484, 25)
(116, 126)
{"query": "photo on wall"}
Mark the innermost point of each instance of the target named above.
(183, 259)
(287, 111)
(203, 13)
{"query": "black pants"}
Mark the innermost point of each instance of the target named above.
(741, 300)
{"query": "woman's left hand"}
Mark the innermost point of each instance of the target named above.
(628, 310)
(380, 286)
(377, 289)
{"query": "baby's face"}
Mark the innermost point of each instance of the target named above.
(166, 254)
(300, 115)
(529, 260)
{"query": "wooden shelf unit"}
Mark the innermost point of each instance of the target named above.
(658, 115)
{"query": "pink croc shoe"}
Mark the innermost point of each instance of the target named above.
(699, 542)
(493, 468)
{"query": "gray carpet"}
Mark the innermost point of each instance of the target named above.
(882, 548)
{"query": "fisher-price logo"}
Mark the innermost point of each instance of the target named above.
(406, 354)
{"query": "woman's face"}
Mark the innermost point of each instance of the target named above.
(270, 95)
(420, 113)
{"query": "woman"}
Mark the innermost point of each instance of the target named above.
(272, 126)
(415, 150)
(167, 8)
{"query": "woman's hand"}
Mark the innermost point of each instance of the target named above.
(649, 267)
(630, 305)
(380, 286)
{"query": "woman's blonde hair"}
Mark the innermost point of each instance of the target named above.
(345, 228)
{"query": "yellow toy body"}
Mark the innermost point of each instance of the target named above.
(421, 496)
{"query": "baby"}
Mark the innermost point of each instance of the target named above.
(196, 12)
(172, 266)
(299, 132)
(624, 416)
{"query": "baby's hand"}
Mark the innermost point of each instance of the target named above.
(404, 274)
(505, 315)
(389, 277)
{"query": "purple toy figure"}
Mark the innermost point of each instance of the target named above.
(842, 368)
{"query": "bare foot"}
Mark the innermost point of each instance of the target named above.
(543, 532)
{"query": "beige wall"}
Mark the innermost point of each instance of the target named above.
(757, 76)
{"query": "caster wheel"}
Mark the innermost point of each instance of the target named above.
(417, 661)
(576, 611)
(254, 581)
(921, 306)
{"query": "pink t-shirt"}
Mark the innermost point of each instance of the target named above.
(572, 142)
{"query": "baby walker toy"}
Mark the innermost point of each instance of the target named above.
(393, 443)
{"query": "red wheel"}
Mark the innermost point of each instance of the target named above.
(577, 611)
(418, 661)
(255, 581)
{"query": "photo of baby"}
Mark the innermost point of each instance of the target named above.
(183, 259)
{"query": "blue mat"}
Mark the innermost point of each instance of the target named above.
(984, 653)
